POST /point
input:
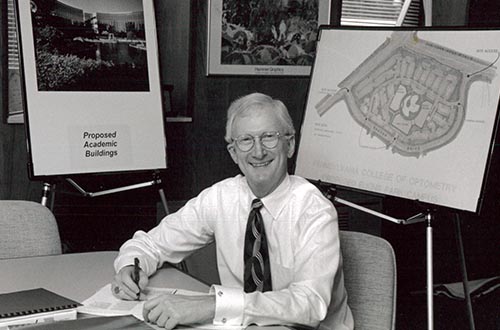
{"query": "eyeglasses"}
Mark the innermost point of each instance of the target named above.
(269, 140)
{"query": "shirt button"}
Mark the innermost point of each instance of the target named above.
(224, 320)
(220, 293)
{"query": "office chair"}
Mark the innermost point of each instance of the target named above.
(27, 229)
(369, 267)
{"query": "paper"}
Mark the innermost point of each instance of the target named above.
(477, 288)
(104, 303)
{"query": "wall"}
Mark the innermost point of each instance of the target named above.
(450, 12)
(173, 29)
(205, 159)
(14, 182)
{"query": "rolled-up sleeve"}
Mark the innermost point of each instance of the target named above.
(175, 238)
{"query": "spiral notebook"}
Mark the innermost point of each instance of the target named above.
(35, 306)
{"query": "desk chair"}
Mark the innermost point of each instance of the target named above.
(27, 229)
(369, 267)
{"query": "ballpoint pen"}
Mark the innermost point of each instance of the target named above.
(136, 277)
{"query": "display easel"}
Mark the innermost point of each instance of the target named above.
(428, 216)
(156, 181)
(463, 268)
(427, 5)
(49, 188)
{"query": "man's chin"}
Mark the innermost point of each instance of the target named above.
(258, 181)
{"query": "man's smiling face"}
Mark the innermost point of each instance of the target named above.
(263, 168)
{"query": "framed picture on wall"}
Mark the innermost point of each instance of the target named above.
(264, 37)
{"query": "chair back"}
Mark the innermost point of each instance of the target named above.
(27, 229)
(369, 266)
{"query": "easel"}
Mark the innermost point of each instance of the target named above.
(427, 4)
(156, 181)
(428, 216)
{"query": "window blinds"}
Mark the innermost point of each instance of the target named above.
(378, 12)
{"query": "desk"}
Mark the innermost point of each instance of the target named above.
(79, 275)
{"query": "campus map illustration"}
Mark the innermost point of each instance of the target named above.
(410, 93)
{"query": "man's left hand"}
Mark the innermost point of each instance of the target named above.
(169, 310)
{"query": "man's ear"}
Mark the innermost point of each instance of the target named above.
(291, 146)
(232, 152)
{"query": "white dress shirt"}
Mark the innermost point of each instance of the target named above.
(303, 239)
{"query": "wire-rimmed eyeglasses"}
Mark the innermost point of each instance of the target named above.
(268, 140)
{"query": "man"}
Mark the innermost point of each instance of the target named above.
(278, 250)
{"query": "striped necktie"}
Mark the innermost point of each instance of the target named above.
(256, 256)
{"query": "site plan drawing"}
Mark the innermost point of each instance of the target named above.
(410, 113)
(410, 93)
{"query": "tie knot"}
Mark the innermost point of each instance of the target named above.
(256, 204)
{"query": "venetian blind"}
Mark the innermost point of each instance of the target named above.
(379, 12)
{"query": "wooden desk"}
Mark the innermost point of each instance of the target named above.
(79, 275)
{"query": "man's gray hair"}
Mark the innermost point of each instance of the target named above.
(245, 103)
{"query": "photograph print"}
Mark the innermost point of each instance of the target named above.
(90, 45)
(264, 37)
(91, 87)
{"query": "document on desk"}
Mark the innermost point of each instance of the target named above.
(104, 303)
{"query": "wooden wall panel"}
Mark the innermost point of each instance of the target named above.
(450, 12)
(14, 181)
(173, 29)
(210, 97)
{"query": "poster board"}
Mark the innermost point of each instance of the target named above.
(405, 113)
(91, 86)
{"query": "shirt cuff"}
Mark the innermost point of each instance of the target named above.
(229, 303)
(123, 261)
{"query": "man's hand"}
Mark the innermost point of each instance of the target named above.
(124, 287)
(169, 310)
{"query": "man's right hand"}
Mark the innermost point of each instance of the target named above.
(124, 287)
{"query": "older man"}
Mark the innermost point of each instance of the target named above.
(278, 251)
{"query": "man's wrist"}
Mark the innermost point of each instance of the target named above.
(209, 309)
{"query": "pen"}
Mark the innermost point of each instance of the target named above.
(135, 276)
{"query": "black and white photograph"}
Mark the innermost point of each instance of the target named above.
(250, 164)
(88, 69)
(264, 37)
(90, 45)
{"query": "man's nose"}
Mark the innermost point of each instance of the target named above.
(258, 150)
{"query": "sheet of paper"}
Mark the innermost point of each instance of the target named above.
(103, 303)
